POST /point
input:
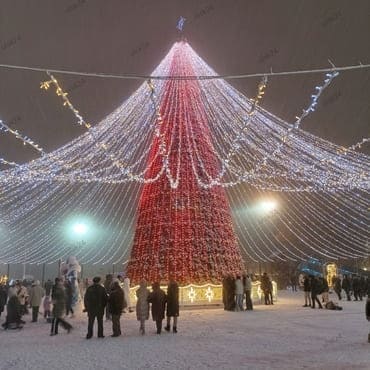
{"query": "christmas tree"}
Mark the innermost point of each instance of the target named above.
(183, 231)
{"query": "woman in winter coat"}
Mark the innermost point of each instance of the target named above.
(172, 305)
(142, 305)
(14, 312)
(158, 300)
(59, 307)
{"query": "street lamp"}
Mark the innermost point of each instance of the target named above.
(80, 228)
(268, 206)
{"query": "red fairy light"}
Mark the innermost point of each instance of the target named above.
(184, 232)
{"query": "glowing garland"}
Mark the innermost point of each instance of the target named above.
(25, 139)
(324, 178)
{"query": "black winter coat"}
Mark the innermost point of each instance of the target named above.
(346, 284)
(337, 285)
(172, 299)
(3, 298)
(316, 286)
(158, 300)
(306, 284)
(95, 299)
(13, 310)
(116, 301)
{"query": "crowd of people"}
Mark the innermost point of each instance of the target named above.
(236, 291)
(313, 287)
(110, 298)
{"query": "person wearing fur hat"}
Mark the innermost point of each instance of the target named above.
(95, 300)
(36, 294)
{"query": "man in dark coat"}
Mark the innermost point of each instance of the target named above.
(362, 292)
(95, 301)
(356, 288)
(116, 306)
(316, 289)
(228, 289)
(346, 285)
(337, 283)
(172, 305)
(158, 300)
(265, 287)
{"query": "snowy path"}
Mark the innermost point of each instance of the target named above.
(283, 336)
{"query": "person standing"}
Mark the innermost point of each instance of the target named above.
(307, 291)
(126, 290)
(47, 306)
(48, 286)
(142, 305)
(22, 295)
(36, 294)
(356, 288)
(3, 298)
(367, 309)
(116, 305)
(239, 292)
(172, 305)
(95, 301)
(69, 297)
(362, 291)
(325, 290)
(337, 287)
(346, 285)
(158, 300)
(59, 307)
(293, 282)
(315, 290)
(265, 287)
(248, 292)
(13, 318)
(108, 286)
(271, 291)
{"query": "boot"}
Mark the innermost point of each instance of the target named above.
(174, 329)
(167, 328)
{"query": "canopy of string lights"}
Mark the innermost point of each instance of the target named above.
(292, 195)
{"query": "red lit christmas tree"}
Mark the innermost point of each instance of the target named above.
(183, 231)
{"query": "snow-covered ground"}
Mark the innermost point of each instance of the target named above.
(283, 336)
